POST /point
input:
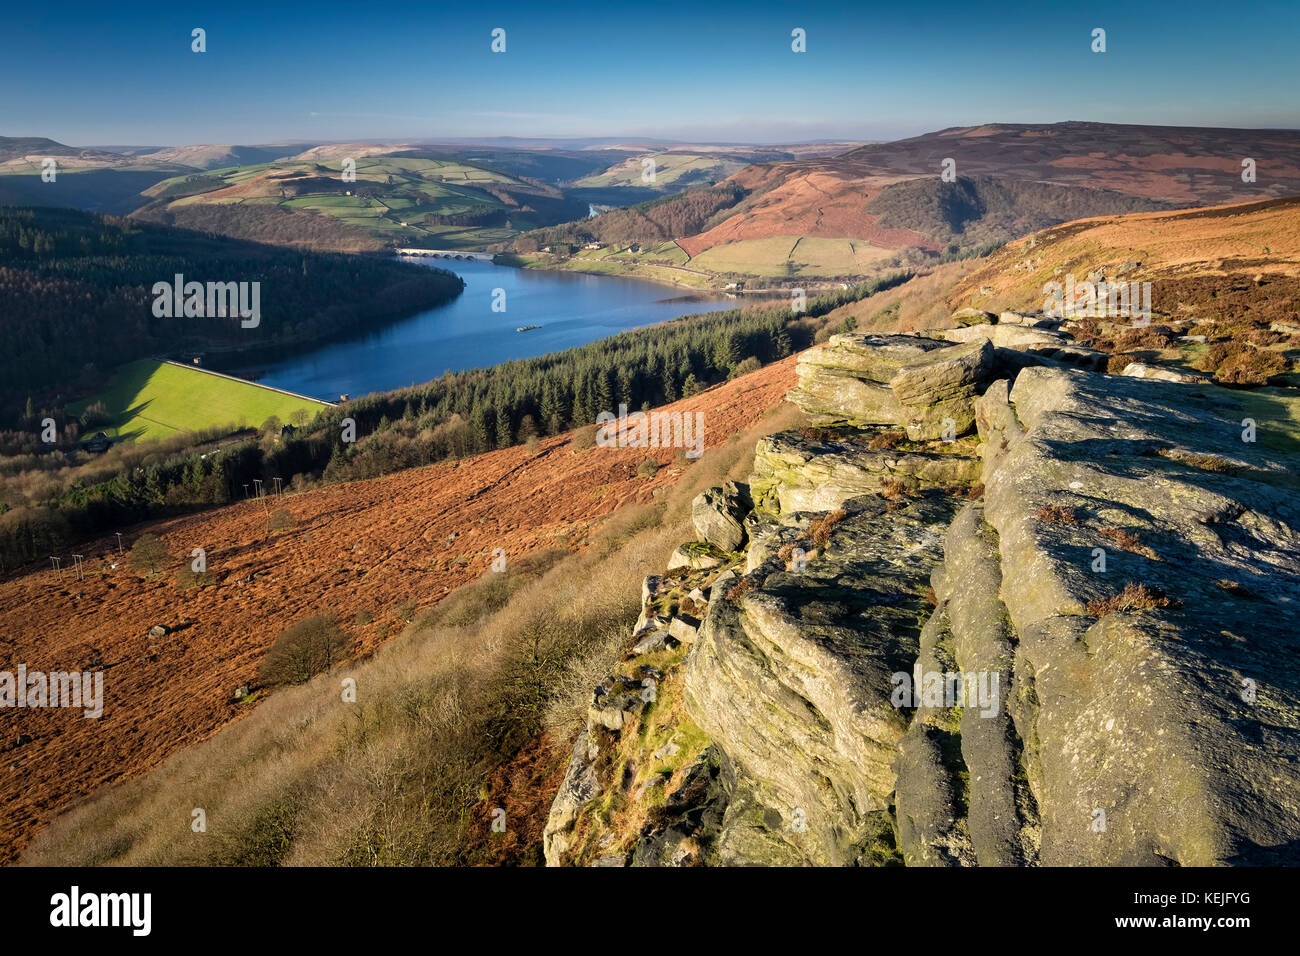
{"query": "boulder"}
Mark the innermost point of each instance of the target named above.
(698, 555)
(654, 640)
(846, 379)
(1029, 320)
(937, 392)
(973, 316)
(800, 474)
(718, 515)
(1163, 374)
(579, 788)
(872, 358)
(684, 629)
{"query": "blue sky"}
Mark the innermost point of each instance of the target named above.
(124, 74)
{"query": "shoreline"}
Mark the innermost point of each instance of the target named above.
(814, 287)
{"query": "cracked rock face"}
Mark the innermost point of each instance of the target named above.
(792, 677)
(803, 474)
(1142, 713)
(1110, 570)
(717, 515)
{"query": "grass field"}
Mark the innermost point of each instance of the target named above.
(669, 169)
(792, 256)
(619, 266)
(151, 399)
(389, 200)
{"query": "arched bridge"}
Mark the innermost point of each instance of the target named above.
(447, 254)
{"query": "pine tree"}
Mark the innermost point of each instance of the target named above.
(505, 438)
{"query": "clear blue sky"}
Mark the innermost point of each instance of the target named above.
(123, 73)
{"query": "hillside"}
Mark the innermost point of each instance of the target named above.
(383, 546)
(404, 199)
(1180, 165)
(884, 206)
(96, 180)
(774, 614)
(76, 296)
(1258, 241)
(148, 399)
(220, 156)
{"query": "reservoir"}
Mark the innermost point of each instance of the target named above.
(567, 308)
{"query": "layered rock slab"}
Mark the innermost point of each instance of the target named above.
(925, 385)
(795, 473)
(1163, 726)
(791, 676)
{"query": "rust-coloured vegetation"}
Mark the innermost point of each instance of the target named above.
(1134, 597)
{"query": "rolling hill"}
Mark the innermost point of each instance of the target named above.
(220, 156)
(93, 179)
(885, 205)
(406, 198)
(1223, 264)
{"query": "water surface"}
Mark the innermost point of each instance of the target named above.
(572, 309)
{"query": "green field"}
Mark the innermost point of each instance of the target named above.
(151, 399)
(390, 199)
(670, 169)
(779, 256)
(617, 266)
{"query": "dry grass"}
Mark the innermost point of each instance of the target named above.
(406, 774)
(1236, 363)
(887, 440)
(817, 433)
(1237, 590)
(1128, 542)
(690, 607)
(893, 489)
(742, 587)
(583, 438)
(1134, 597)
(1197, 460)
(918, 304)
(820, 532)
(1117, 363)
(1057, 514)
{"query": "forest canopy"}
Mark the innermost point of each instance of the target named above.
(75, 292)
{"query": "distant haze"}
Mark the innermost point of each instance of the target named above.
(719, 72)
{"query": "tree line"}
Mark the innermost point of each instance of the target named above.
(658, 220)
(76, 300)
(455, 416)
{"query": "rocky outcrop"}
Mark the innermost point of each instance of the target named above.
(793, 472)
(906, 380)
(1068, 639)
(1140, 541)
(791, 678)
(717, 515)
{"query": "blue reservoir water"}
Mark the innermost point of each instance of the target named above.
(570, 308)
